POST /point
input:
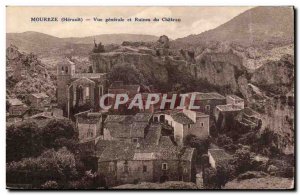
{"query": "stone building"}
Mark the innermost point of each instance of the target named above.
(89, 125)
(207, 101)
(128, 128)
(78, 92)
(235, 100)
(184, 122)
(38, 100)
(121, 162)
(16, 107)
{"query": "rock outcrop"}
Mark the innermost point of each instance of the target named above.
(26, 74)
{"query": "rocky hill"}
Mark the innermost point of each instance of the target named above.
(259, 25)
(25, 74)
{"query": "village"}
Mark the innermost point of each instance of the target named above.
(132, 145)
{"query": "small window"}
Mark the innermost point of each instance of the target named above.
(135, 140)
(202, 124)
(125, 168)
(62, 68)
(207, 108)
(144, 168)
(189, 126)
(164, 166)
(185, 170)
(66, 69)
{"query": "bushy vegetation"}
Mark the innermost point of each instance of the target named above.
(127, 73)
(200, 145)
(51, 165)
(29, 140)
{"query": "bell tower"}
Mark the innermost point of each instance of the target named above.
(65, 72)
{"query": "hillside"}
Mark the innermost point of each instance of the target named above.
(26, 74)
(111, 38)
(45, 45)
(256, 26)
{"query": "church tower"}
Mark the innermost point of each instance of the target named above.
(65, 72)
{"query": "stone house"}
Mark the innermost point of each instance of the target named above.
(185, 122)
(207, 101)
(122, 162)
(38, 100)
(235, 100)
(54, 110)
(128, 128)
(89, 126)
(16, 107)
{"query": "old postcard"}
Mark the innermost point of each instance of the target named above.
(143, 98)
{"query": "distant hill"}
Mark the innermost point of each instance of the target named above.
(112, 38)
(46, 45)
(254, 26)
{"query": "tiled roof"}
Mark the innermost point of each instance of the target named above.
(144, 117)
(15, 102)
(118, 151)
(201, 114)
(127, 126)
(229, 107)
(40, 95)
(248, 111)
(207, 96)
(153, 135)
(115, 118)
(188, 154)
(235, 97)
(115, 150)
(89, 75)
(166, 141)
(83, 80)
(182, 118)
(88, 117)
(144, 156)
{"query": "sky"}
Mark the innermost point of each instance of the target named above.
(194, 20)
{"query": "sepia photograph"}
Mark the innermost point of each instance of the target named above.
(150, 98)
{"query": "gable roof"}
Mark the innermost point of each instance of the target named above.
(15, 102)
(153, 135)
(207, 96)
(182, 118)
(127, 126)
(235, 97)
(83, 79)
(40, 95)
(88, 117)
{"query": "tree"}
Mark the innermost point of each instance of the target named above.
(210, 178)
(23, 141)
(243, 160)
(51, 165)
(58, 129)
(127, 73)
(200, 145)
